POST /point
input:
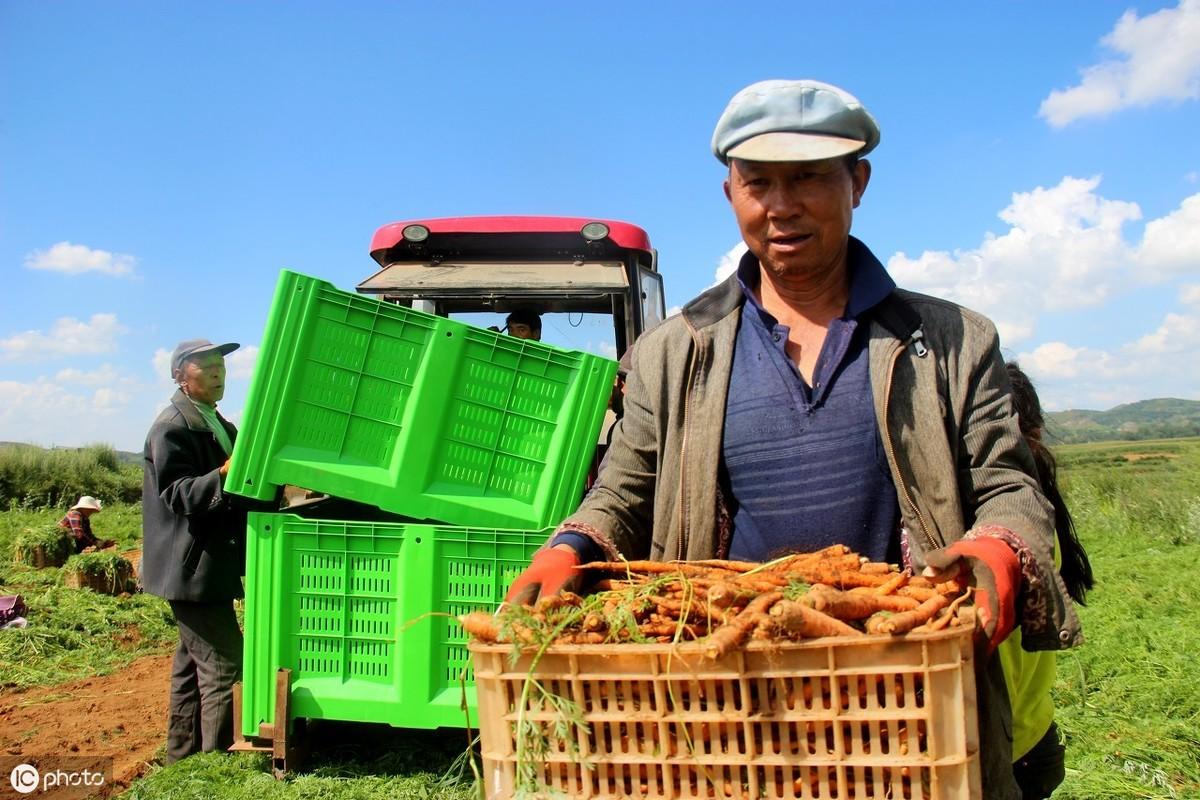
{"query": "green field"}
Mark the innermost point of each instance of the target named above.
(1128, 699)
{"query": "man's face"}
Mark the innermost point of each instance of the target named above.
(523, 331)
(203, 378)
(795, 215)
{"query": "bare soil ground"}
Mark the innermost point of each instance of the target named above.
(122, 716)
(1151, 456)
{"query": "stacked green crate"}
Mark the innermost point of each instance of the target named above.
(362, 613)
(416, 414)
(488, 436)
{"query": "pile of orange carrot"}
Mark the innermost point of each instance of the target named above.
(723, 604)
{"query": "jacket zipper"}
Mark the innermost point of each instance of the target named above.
(681, 549)
(887, 435)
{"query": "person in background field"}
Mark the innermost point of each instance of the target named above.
(807, 401)
(77, 521)
(194, 548)
(524, 324)
(1038, 756)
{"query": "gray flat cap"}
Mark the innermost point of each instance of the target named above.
(802, 120)
(191, 348)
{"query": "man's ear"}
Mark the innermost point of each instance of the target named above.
(861, 177)
(728, 196)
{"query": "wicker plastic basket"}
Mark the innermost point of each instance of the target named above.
(875, 717)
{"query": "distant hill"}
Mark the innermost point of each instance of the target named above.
(1164, 418)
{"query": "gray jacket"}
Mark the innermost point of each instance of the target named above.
(948, 426)
(194, 539)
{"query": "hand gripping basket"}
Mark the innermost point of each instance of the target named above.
(876, 717)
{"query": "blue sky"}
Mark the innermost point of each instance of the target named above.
(160, 162)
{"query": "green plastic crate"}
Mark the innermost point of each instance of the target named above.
(346, 606)
(416, 414)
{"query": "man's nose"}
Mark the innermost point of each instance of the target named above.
(780, 202)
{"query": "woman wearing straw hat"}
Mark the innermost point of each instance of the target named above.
(76, 521)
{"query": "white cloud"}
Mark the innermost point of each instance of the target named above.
(1171, 244)
(67, 337)
(240, 363)
(606, 349)
(1179, 333)
(103, 375)
(1064, 249)
(161, 364)
(1189, 294)
(44, 411)
(1160, 363)
(1158, 59)
(1063, 361)
(729, 262)
(75, 259)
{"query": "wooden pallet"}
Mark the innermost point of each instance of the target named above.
(288, 748)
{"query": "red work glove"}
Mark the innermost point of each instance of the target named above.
(551, 572)
(993, 569)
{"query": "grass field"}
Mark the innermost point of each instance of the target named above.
(1128, 699)
(73, 633)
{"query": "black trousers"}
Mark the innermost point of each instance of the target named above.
(208, 661)
(1042, 769)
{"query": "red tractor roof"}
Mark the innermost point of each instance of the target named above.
(464, 229)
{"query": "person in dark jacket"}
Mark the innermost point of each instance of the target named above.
(194, 548)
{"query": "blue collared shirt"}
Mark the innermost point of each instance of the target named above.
(805, 464)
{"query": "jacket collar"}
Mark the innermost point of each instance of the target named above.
(191, 415)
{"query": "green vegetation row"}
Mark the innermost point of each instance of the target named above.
(1128, 700)
(33, 477)
(75, 633)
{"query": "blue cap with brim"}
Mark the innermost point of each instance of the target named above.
(193, 348)
(802, 120)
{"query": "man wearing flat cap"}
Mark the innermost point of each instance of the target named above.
(806, 401)
(194, 548)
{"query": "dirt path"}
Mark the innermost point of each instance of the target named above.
(122, 716)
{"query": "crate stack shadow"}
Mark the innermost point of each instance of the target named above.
(447, 453)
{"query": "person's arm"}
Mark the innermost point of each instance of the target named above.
(185, 486)
(614, 519)
(1003, 504)
(617, 514)
(86, 536)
